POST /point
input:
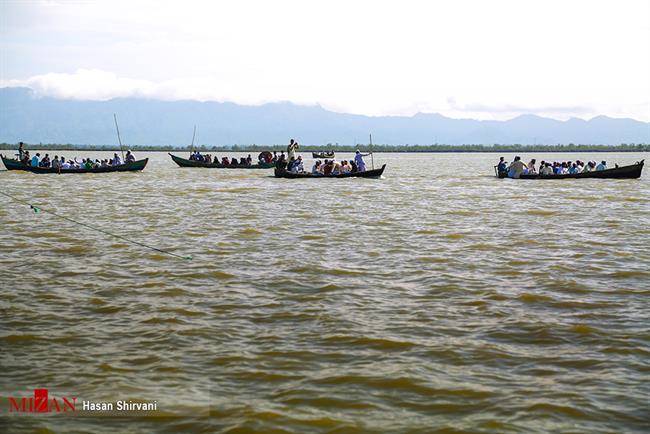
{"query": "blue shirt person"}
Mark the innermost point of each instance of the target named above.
(358, 159)
(502, 166)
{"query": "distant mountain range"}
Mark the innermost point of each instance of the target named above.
(25, 117)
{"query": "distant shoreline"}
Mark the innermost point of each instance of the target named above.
(363, 148)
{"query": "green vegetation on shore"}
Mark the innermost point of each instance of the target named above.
(624, 147)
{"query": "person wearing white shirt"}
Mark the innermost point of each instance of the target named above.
(291, 149)
(602, 166)
(531, 167)
(516, 168)
(546, 170)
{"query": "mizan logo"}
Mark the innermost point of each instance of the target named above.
(41, 402)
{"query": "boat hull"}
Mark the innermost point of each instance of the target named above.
(323, 154)
(375, 173)
(135, 166)
(182, 162)
(625, 172)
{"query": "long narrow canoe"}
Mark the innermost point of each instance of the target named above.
(182, 162)
(625, 172)
(323, 154)
(134, 166)
(375, 173)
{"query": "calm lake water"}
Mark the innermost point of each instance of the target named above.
(436, 299)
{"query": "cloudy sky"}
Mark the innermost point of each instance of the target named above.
(462, 58)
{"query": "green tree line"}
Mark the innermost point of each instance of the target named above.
(571, 147)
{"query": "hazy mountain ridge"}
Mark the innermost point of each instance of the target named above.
(24, 117)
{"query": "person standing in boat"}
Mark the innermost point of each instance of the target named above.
(21, 152)
(358, 159)
(291, 149)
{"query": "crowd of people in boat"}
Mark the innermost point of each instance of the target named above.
(62, 163)
(327, 167)
(263, 158)
(290, 161)
(209, 159)
(547, 168)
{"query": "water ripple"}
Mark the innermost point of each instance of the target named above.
(432, 300)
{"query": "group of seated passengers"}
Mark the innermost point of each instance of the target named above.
(62, 163)
(197, 156)
(331, 167)
(243, 161)
(207, 158)
(328, 167)
(267, 157)
(518, 168)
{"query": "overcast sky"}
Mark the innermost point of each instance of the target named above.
(462, 58)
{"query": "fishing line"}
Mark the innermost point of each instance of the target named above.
(38, 209)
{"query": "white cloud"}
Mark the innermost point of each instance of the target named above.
(93, 84)
(87, 84)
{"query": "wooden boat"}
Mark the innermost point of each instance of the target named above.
(135, 166)
(375, 173)
(182, 162)
(323, 154)
(625, 172)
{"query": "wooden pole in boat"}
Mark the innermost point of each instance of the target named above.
(192, 146)
(118, 137)
(372, 155)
